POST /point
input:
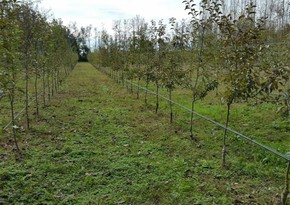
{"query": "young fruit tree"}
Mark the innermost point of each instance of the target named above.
(200, 71)
(158, 38)
(241, 51)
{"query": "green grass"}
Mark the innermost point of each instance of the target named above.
(97, 144)
(261, 122)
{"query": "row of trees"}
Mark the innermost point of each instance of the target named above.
(211, 39)
(240, 49)
(34, 50)
(238, 54)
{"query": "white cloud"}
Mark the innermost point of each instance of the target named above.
(102, 12)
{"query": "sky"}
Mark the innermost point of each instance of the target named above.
(101, 13)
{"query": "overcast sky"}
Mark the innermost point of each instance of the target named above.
(101, 13)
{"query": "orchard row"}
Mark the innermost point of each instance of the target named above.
(36, 55)
(239, 55)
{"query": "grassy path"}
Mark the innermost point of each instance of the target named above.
(96, 144)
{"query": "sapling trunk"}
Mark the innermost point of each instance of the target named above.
(127, 86)
(11, 98)
(170, 105)
(225, 135)
(146, 92)
(65, 70)
(48, 87)
(117, 73)
(52, 83)
(191, 118)
(131, 82)
(123, 80)
(27, 98)
(217, 88)
(157, 97)
(43, 87)
(36, 92)
(286, 189)
(56, 81)
(194, 89)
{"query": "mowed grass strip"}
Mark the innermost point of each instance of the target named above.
(96, 144)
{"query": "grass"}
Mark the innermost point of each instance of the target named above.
(259, 121)
(96, 144)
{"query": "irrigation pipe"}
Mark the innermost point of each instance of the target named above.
(217, 124)
(213, 122)
(285, 192)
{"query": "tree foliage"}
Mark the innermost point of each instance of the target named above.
(33, 47)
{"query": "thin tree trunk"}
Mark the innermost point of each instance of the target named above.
(52, 83)
(123, 80)
(170, 105)
(146, 92)
(157, 97)
(36, 92)
(217, 79)
(27, 98)
(48, 87)
(56, 81)
(43, 87)
(131, 85)
(225, 136)
(191, 117)
(65, 71)
(127, 85)
(11, 98)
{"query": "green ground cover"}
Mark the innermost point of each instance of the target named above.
(96, 144)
